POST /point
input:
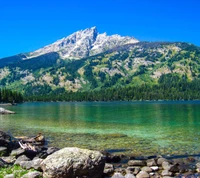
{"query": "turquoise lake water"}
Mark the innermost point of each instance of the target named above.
(133, 128)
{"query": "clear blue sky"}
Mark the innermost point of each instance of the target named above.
(26, 25)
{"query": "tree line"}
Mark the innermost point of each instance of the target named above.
(8, 96)
(169, 87)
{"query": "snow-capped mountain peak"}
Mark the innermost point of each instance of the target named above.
(84, 43)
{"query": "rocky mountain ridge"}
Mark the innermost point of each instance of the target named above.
(83, 43)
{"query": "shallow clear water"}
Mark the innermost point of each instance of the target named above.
(136, 128)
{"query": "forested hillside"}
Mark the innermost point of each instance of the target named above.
(140, 71)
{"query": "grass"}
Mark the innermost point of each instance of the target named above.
(15, 169)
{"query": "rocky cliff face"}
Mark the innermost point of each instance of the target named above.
(84, 43)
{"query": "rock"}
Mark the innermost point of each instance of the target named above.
(9, 159)
(166, 165)
(134, 170)
(26, 164)
(111, 158)
(146, 169)
(161, 160)
(129, 176)
(108, 169)
(151, 162)
(34, 174)
(166, 173)
(174, 168)
(17, 152)
(30, 153)
(3, 151)
(117, 175)
(20, 159)
(4, 111)
(2, 163)
(155, 168)
(121, 170)
(142, 174)
(115, 159)
(47, 151)
(152, 173)
(198, 165)
(5, 139)
(35, 164)
(136, 163)
(73, 162)
(40, 138)
(9, 176)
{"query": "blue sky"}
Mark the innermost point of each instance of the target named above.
(26, 25)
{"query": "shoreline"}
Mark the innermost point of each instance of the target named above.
(34, 155)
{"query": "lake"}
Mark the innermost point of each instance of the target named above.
(132, 128)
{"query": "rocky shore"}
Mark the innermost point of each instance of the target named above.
(31, 158)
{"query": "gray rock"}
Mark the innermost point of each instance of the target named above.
(166, 173)
(9, 159)
(137, 163)
(44, 153)
(146, 169)
(51, 150)
(166, 165)
(73, 162)
(34, 174)
(9, 176)
(3, 151)
(17, 152)
(117, 175)
(129, 176)
(26, 164)
(2, 163)
(134, 170)
(198, 165)
(5, 139)
(108, 169)
(35, 164)
(20, 159)
(161, 160)
(151, 162)
(121, 170)
(142, 174)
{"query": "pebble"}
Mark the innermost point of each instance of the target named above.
(155, 168)
(142, 174)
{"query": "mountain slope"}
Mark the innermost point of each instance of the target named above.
(123, 66)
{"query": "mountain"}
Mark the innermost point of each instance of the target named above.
(83, 43)
(104, 62)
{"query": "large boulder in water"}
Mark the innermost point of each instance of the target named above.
(73, 162)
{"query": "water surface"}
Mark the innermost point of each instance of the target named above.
(136, 128)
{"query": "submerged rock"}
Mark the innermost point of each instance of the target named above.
(73, 162)
(5, 111)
